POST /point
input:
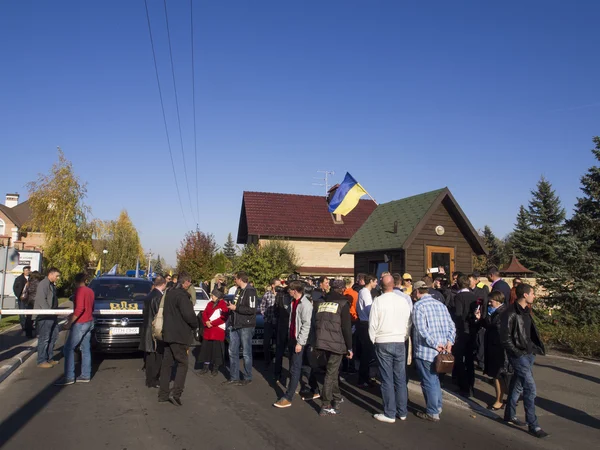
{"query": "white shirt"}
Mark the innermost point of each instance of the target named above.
(405, 296)
(390, 319)
(232, 290)
(363, 306)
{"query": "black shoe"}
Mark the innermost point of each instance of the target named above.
(516, 422)
(176, 401)
(203, 371)
(539, 433)
(214, 372)
(243, 382)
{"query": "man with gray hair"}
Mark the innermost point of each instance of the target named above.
(389, 325)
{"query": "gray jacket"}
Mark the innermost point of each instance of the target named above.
(45, 298)
(303, 319)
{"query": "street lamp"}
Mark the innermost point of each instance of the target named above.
(105, 252)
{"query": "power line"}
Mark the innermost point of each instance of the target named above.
(187, 183)
(194, 108)
(162, 106)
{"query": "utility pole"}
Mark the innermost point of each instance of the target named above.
(327, 174)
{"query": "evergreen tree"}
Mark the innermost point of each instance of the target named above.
(585, 223)
(539, 229)
(229, 248)
(494, 246)
(157, 266)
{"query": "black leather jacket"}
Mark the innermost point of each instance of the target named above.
(514, 336)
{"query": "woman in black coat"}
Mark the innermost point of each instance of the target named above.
(496, 362)
(28, 298)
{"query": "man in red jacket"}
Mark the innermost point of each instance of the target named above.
(81, 323)
(213, 318)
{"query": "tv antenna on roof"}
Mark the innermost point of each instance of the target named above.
(327, 174)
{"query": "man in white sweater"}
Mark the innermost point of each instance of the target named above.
(389, 325)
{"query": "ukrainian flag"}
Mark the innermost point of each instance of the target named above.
(346, 196)
(99, 268)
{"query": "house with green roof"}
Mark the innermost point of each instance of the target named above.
(414, 235)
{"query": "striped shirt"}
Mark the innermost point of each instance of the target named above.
(433, 326)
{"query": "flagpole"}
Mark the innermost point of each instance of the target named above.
(371, 197)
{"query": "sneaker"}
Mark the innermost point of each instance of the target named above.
(230, 382)
(53, 362)
(214, 372)
(176, 401)
(425, 416)
(64, 382)
(84, 380)
(336, 403)
(383, 418)
(282, 403)
(516, 422)
(45, 365)
(539, 433)
(328, 412)
(243, 382)
(309, 395)
(203, 371)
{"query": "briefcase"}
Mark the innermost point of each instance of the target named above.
(443, 363)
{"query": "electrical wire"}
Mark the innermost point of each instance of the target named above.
(162, 106)
(194, 109)
(177, 109)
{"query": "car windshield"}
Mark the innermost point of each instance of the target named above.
(120, 289)
(201, 295)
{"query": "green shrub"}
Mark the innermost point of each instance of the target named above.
(581, 341)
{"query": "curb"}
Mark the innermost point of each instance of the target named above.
(584, 361)
(457, 401)
(17, 361)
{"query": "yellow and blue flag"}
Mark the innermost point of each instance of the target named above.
(99, 268)
(346, 196)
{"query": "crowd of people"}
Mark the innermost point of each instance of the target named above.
(325, 327)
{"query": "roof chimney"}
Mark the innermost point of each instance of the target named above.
(12, 200)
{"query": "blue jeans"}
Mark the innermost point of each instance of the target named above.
(430, 384)
(243, 337)
(295, 370)
(47, 330)
(522, 381)
(80, 335)
(392, 368)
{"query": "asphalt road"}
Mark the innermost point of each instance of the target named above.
(116, 411)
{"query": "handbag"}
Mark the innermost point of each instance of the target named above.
(443, 363)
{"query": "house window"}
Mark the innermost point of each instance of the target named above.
(2, 227)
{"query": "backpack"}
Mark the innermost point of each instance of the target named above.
(157, 323)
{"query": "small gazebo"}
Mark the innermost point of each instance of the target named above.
(516, 269)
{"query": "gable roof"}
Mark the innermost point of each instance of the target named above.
(515, 266)
(19, 214)
(410, 214)
(269, 214)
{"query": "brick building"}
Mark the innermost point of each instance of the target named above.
(13, 217)
(305, 222)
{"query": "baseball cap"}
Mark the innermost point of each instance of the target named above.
(407, 276)
(419, 285)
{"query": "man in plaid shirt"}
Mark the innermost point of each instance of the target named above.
(267, 309)
(434, 332)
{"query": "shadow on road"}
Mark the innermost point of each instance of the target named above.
(566, 412)
(583, 376)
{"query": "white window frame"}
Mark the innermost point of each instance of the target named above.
(2, 227)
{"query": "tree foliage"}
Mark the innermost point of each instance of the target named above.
(58, 210)
(196, 254)
(157, 265)
(221, 263)
(495, 246)
(264, 262)
(540, 229)
(229, 249)
(122, 241)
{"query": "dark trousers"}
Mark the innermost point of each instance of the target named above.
(270, 331)
(212, 353)
(173, 354)
(310, 367)
(464, 364)
(295, 370)
(480, 347)
(47, 330)
(331, 384)
(366, 351)
(281, 344)
(153, 365)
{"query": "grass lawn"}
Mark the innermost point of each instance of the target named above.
(62, 300)
(8, 321)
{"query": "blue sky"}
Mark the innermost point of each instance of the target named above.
(478, 96)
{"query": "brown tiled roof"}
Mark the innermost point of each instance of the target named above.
(18, 214)
(296, 216)
(515, 267)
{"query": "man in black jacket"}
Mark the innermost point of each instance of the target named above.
(334, 340)
(18, 287)
(522, 342)
(179, 322)
(481, 292)
(243, 322)
(283, 300)
(150, 347)
(498, 284)
(465, 304)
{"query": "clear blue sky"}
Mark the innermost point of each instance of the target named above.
(407, 96)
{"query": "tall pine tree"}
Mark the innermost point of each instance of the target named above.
(540, 229)
(494, 246)
(229, 248)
